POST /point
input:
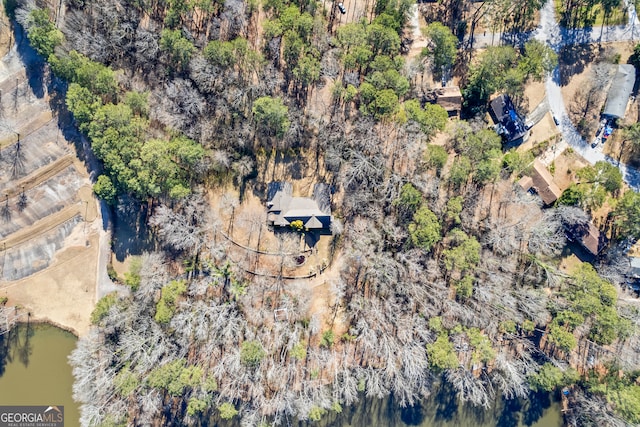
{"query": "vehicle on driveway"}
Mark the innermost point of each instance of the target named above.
(343, 9)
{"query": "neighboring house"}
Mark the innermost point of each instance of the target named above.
(593, 240)
(283, 208)
(541, 182)
(588, 236)
(509, 124)
(619, 92)
(449, 98)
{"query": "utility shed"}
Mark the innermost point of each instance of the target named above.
(619, 92)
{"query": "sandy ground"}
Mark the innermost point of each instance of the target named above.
(6, 38)
(49, 273)
(63, 293)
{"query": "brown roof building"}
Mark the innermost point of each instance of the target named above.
(593, 240)
(542, 183)
(449, 98)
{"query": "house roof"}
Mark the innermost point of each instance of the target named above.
(449, 98)
(508, 123)
(313, 222)
(543, 183)
(526, 182)
(314, 212)
(593, 240)
(620, 90)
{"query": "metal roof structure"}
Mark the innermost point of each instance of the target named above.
(283, 208)
(619, 92)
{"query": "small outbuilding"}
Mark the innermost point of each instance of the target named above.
(619, 92)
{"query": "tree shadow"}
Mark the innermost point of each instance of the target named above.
(412, 415)
(536, 405)
(574, 61)
(131, 234)
(446, 402)
(34, 63)
(509, 416)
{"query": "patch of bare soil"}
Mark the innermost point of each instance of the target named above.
(564, 168)
(6, 36)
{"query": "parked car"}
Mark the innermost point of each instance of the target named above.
(555, 120)
(594, 144)
(343, 9)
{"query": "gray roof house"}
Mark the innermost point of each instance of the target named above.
(619, 92)
(283, 208)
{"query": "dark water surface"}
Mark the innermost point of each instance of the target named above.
(442, 409)
(34, 368)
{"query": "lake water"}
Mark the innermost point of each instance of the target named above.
(34, 368)
(34, 371)
(442, 409)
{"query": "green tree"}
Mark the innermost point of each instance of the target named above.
(126, 382)
(77, 68)
(464, 287)
(482, 350)
(516, 162)
(220, 53)
(464, 253)
(424, 231)
(166, 306)
(105, 190)
(602, 173)
(454, 209)
(460, 171)
(271, 115)
(175, 377)
(432, 118)
(551, 377)
(251, 353)
(443, 47)
(561, 338)
(316, 413)
(409, 200)
(436, 157)
(539, 60)
(441, 353)
(42, 33)
(178, 48)
(298, 351)
(103, 306)
(83, 104)
(138, 102)
(227, 411)
(627, 215)
(328, 338)
(196, 406)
